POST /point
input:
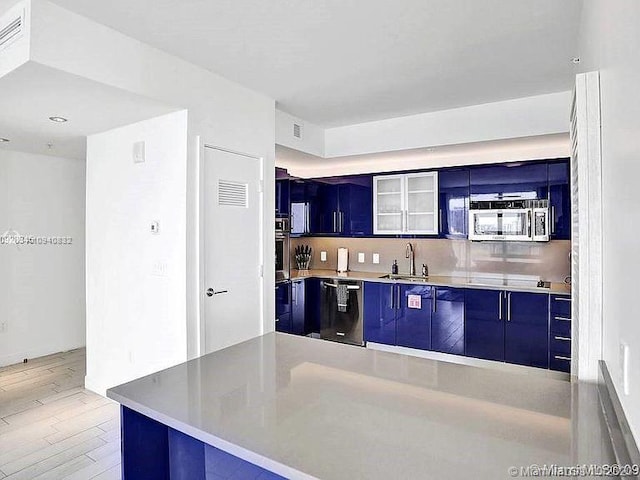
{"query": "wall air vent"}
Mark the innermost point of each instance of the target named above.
(233, 194)
(11, 30)
(297, 130)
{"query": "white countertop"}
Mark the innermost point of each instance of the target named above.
(307, 408)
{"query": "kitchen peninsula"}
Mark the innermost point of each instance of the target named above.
(286, 406)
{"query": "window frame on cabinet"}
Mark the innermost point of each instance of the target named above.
(404, 204)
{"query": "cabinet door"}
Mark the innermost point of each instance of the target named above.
(421, 203)
(298, 325)
(282, 198)
(484, 324)
(560, 200)
(447, 320)
(327, 203)
(526, 329)
(413, 316)
(453, 186)
(312, 305)
(356, 206)
(515, 180)
(380, 313)
(283, 307)
(388, 204)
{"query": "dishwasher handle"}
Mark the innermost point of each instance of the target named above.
(349, 287)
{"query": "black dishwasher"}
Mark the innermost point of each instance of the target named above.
(341, 311)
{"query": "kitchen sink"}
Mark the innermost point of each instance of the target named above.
(411, 278)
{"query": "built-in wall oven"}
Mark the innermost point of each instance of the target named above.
(514, 220)
(282, 249)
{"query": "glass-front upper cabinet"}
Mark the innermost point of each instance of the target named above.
(406, 204)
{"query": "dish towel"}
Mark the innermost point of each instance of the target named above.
(342, 296)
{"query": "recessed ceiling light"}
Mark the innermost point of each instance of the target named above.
(4, 140)
(58, 119)
(575, 60)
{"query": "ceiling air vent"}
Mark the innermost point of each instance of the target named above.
(10, 31)
(297, 130)
(232, 194)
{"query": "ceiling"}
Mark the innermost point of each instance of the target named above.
(304, 165)
(33, 93)
(338, 62)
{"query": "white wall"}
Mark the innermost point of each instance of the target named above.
(136, 280)
(522, 117)
(311, 140)
(221, 113)
(42, 291)
(610, 42)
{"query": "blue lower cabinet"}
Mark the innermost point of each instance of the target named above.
(312, 302)
(484, 325)
(413, 316)
(380, 312)
(526, 329)
(298, 313)
(560, 333)
(447, 320)
(283, 307)
(152, 450)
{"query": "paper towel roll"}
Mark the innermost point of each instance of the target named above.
(343, 259)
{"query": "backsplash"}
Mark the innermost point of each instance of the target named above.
(545, 261)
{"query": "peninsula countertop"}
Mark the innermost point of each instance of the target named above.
(473, 281)
(307, 408)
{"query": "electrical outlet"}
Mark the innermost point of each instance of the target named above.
(376, 258)
(360, 257)
(323, 256)
(624, 367)
(3, 326)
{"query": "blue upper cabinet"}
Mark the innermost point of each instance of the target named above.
(380, 300)
(345, 206)
(484, 326)
(560, 199)
(513, 180)
(527, 329)
(413, 316)
(447, 320)
(282, 192)
(454, 203)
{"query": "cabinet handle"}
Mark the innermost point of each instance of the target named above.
(393, 293)
(529, 223)
(553, 219)
(398, 297)
(560, 357)
(341, 225)
(334, 221)
(561, 299)
(563, 318)
(307, 229)
(294, 294)
(508, 306)
(440, 220)
(434, 300)
(564, 339)
(500, 305)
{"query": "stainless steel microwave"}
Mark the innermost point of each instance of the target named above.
(509, 220)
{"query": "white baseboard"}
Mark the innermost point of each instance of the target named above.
(19, 357)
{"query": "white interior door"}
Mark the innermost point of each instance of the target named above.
(232, 248)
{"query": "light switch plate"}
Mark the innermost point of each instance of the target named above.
(154, 227)
(138, 152)
(360, 257)
(376, 258)
(323, 256)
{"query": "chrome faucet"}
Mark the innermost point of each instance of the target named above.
(410, 254)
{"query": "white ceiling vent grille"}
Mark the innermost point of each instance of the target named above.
(11, 30)
(297, 130)
(233, 194)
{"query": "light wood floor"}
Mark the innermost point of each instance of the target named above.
(51, 427)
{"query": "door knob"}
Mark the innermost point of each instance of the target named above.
(211, 292)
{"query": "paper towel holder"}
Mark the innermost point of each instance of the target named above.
(343, 260)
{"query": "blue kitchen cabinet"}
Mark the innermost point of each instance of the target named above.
(509, 181)
(282, 192)
(526, 324)
(313, 301)
(484, 324)
(380, 300)
(447, 320)
(560, 199)
(283, 307)
(298, 312)
(560, 333)
(304, 200)
(344, 206)
(453, 186)
(413, 316)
